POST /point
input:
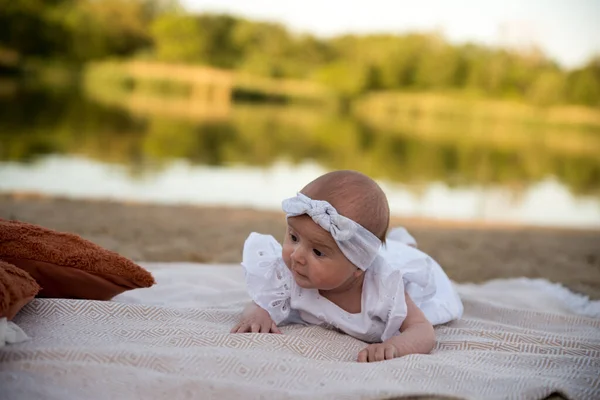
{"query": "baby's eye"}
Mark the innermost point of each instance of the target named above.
(317, 253)
(293, 237)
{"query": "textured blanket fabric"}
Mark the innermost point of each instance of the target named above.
(518, 339)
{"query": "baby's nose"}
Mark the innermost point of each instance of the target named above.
(298, 255)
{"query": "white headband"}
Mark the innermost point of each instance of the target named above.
(358, 244)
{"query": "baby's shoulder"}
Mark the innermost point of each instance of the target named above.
(398, 255)
(399, 262)
(259, 248)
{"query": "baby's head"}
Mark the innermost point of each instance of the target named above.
(310, 251)
(355, 196)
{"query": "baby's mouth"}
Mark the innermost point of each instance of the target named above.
(301, 275)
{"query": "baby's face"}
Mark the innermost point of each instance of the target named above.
(313, 256)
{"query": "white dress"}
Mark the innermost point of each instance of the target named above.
(398, 268)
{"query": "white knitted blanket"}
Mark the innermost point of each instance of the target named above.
(519, 338)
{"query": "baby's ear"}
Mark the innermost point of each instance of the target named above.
(358, 273)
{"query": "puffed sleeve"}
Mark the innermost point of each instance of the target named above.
(268, 280)
(404, 269)
(392, 308)
(425, 282)
(417, 270)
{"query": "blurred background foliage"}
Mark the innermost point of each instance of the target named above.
(411, 108)
(78, 31)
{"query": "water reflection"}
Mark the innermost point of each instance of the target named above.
(150, 146)
(544, 203)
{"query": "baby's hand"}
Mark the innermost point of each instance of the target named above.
(378, 352)
(255, 320)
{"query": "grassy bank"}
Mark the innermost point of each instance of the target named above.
(197, 83)
(501, 124)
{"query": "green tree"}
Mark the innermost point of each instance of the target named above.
(179, 38)
(33, 27)
(78, 30)
(203, 39)
(584, 84)
(548, 88)
(264, 47)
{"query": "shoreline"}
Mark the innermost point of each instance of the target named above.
(468, 252)
(394, 219)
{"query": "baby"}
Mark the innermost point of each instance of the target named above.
(338, 269)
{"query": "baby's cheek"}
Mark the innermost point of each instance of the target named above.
(324, 278)
(286, 255)
(338, 275)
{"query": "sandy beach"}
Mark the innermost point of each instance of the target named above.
(469, 252)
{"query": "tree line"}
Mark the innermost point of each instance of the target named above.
(77, 31)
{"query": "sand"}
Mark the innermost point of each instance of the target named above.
(469, 252)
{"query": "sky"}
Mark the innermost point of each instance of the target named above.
(567, 31)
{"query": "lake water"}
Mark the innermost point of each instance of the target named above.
(65, 143)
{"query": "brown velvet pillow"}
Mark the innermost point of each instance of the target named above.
(68, 266)
(17, 288)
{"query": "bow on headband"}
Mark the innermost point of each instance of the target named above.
(358, 244)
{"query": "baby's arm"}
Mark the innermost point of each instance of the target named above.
(255, 320)
(417, 337)
(417, 334)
